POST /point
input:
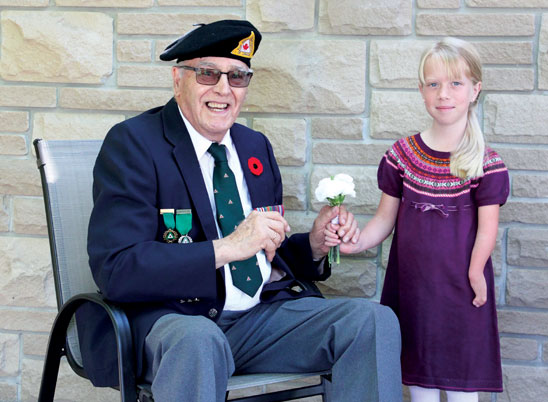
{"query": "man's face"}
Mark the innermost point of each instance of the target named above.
(211, 109)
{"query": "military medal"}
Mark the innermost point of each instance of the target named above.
(170, 235)
(183, 223)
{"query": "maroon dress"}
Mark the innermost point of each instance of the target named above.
(447, 343)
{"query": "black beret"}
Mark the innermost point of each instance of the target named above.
(234, 39)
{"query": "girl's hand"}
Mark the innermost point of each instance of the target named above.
(479, 286)
(346, 246)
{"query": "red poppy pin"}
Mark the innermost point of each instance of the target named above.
(255, 166)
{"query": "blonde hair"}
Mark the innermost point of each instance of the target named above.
(467, 159)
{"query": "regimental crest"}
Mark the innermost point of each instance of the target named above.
(246, 47)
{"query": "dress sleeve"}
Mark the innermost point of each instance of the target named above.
(389, 174)
(494, 186)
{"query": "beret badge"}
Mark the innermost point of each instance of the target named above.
(246, 47)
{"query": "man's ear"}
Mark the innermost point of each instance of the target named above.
(176, 75)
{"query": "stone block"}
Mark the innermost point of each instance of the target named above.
(365, 178)
(542, 61)
(516, 118)
(523, 322)
(508, 79)
(394, 64)
(295, 76)
(527, 287)
(282, 15)
(4, 214)
(300, 222)
(508, 3)
(345, 154)
(530, 158)
(477, 24)
(113, 99)
(8, 390)
(357, 17)
(438, 3)
(294, 188)
(14, 122)
(26, 271)
(19, 176)
(15, 145)
(527, 247)
(288, 138)
(524, 384)
(74, 126)
(545, 351)
(70, 386)
(501, 52)
(27, 96)
(134, 50)
(26, 319)
(201, 3)
(352, 278)
(35, 344)
(105, 3)
(340, 128)
(29, 216)
(145, 76)
(496, 256)
(164, 23)
(397, 114)
(24, 3)
(526, 185)
(9, 355)
(53, 35)
(525, 212)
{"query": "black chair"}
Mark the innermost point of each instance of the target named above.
(66, 175)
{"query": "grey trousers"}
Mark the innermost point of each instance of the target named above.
(190, 358)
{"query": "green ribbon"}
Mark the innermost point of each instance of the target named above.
(169, 218)
(183, 221)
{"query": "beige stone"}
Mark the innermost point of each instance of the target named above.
(543, 54)
(438, 3)
(304, 77)
(524, 384)
(359, 17)
(477, 24)
(501, 52)
(19, 176)
(35, 344)
(397, 114)
(344, 153)
(525, 185)
(145, 76)
(507, 3)
(24, 3)
(74, 126)
(351, 278)
(29, 216)
(523, 322)
(16, 122)
(134, 50)
(164, 23)
(9, 355)
(4, 214)
(497, 254)
(530, 158)
(202, 3)
(70, 386)
(26, 319)
(13, 145)
(281, 15)
(365, 179)
(8, 391)
(394, 64)
(525, 212)
(508, 79)
(113, 99)
(299, 221)
(105, 3)
(27, 96)
(527, 247)
(294, 189)
(160, 46)
(54, 35)
(527, 287)
(288, 138)
(26, 272)
(341, 128)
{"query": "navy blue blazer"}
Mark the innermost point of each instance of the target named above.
(148, 163)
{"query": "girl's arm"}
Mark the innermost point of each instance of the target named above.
(486, 237)
(376, 230)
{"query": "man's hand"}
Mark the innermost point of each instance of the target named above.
(259, 231)
(347, 229)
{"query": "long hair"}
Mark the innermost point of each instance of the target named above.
(467, 159)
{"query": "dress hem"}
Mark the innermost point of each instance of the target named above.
(454, 388)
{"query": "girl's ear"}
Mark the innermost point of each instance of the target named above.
(476, 91)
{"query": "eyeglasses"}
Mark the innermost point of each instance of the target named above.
(211, 76)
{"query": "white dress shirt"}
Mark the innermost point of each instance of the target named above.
(236, 300)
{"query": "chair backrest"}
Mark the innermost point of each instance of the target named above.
(66, 171)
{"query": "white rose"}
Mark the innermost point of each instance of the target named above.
(341, 184)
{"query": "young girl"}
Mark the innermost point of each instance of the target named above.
(442, 189)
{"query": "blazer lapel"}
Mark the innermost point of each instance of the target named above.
(183, 152)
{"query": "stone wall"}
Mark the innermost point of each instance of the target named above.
(335, 85)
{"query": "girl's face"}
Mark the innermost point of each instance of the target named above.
(446, 98)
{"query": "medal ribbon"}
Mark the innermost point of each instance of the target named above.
(169, 218)
(183, 221)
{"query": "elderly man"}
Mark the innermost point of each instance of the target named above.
(187, 231)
